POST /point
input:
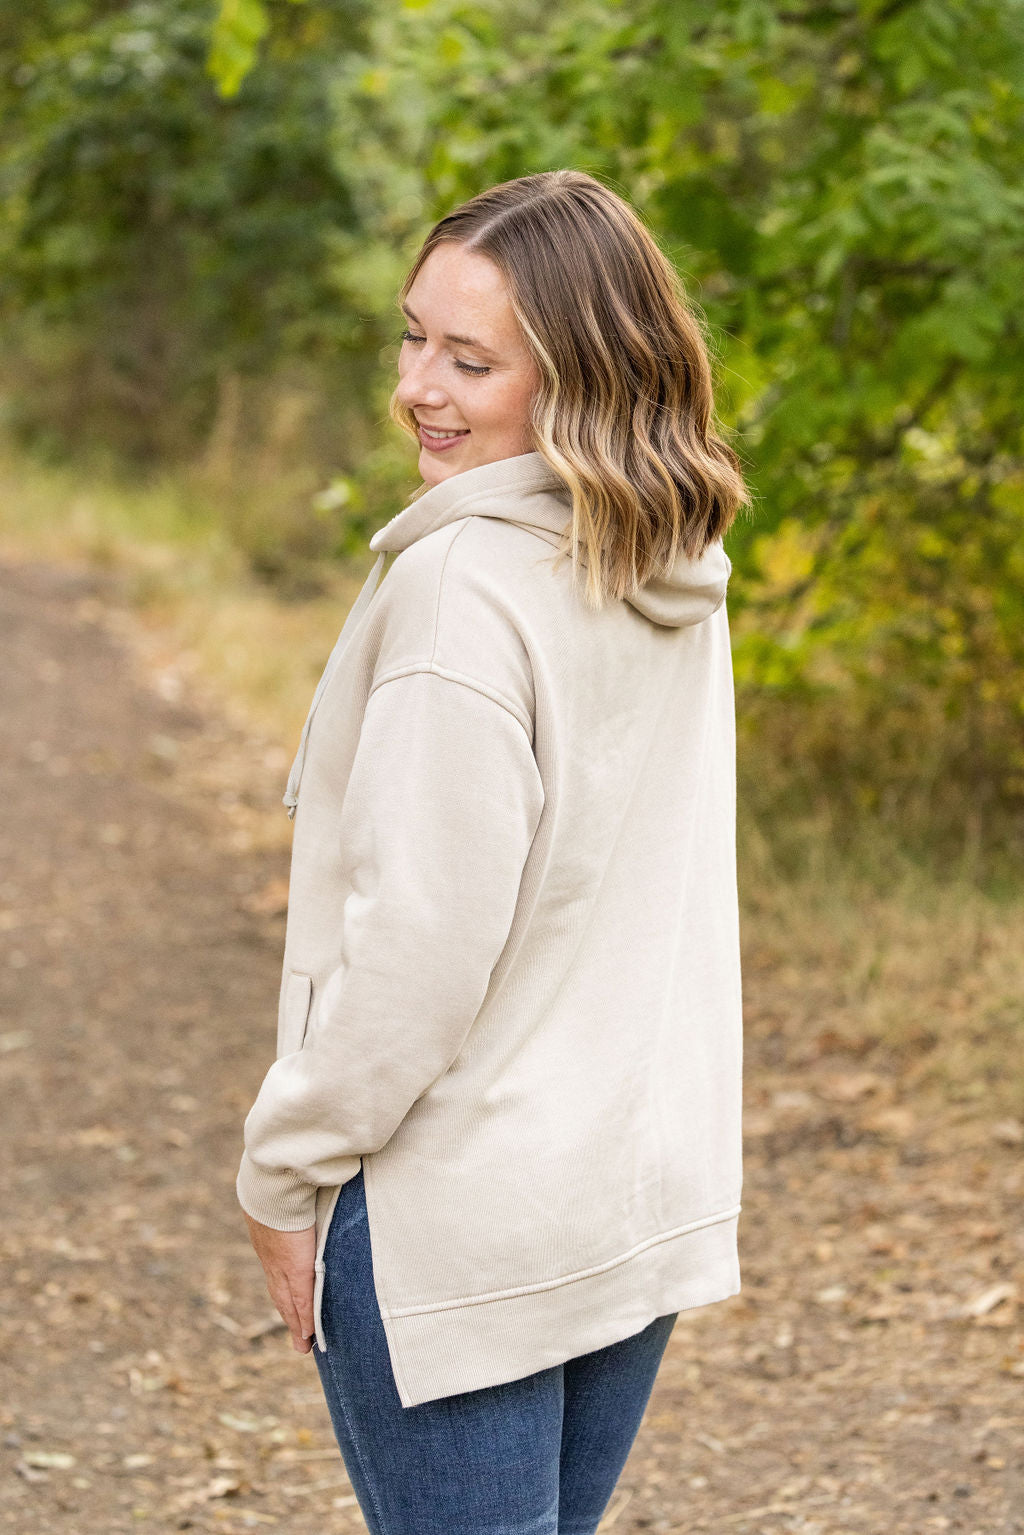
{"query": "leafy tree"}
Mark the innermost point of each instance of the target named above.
(840, 185)
(187, 197)
(155, 237)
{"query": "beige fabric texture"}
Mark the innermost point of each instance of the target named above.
(511, 981)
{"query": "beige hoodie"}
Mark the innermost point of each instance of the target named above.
(511, 983)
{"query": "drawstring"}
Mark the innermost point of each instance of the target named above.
(291, 794)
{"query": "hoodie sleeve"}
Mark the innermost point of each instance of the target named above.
(439, 812)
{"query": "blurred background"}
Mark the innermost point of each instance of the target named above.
(205, 214)
(205, 221)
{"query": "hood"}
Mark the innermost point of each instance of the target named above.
(527, 491)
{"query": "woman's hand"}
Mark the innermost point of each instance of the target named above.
(288, 1258)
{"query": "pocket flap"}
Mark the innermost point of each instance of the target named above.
(298, 994)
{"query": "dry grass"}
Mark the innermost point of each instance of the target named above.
(255, 655)
(923, 977)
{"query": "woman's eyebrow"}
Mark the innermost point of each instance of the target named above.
(459, 340)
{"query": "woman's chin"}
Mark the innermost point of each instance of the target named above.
(434, 469)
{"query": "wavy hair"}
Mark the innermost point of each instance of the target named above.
(624, 412)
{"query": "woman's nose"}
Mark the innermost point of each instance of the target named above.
(419, 384)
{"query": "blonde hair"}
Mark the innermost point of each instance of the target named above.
(624, 409)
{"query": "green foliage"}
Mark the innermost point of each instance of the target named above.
(240, 27)
(838, 181)
(155, 239)
(840, 185)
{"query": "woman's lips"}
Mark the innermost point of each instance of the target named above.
(438, 444)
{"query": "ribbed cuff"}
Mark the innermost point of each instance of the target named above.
(275, 1197)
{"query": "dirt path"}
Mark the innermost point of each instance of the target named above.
(869, 1378)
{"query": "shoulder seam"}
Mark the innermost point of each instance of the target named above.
(440, 586)
(464, 680)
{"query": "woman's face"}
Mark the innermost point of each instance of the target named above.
(464, 366)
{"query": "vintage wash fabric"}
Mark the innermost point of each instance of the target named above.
(511, 985)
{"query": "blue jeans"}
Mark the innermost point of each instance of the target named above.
(535, 1456)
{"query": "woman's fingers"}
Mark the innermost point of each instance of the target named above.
(281, 1287)
(288, 1259)
(303, 1302)
(293, 1297)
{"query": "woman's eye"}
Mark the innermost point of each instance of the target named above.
(466, 367)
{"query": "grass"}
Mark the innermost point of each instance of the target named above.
(923, 978)
(913, 960)
(164, 549)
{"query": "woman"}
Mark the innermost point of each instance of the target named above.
(499, 1149)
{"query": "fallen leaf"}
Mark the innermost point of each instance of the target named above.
(14, 1039)
(245, 1423)
(56, 1460)
(29, 1473)
(139, 1384)
(66, 1249)
(984, 1231)
(228, 1323)
(220, 1487)
(757, 1122)
(792, 1098)
(830, 1041)
(989, 1299)
(163, 748)
(225, 1462)
(267, 1325)
(99, 1135)
(895, 1121)
(848, 1086)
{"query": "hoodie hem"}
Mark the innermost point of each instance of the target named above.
(480, 1343)
(563, 1279)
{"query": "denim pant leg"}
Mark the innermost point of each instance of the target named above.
(604, 1397)
(491, 1462)
(480, 1463)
